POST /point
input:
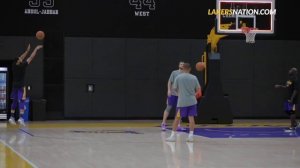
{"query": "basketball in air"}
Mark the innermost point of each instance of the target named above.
(40, 35)
(200, 66)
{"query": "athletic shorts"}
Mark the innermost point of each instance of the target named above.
(172, 100)
(16, 96)
(289, 107)
(187, 111)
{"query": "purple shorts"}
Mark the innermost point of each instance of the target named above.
(289, 107)
(16, 96)
(187, 111)
(172, 100)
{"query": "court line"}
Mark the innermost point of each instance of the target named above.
(90, 125)
(19, 154)
(37, 136)
(26, 132)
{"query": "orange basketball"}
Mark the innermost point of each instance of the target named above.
(200, 66)
(40, 35)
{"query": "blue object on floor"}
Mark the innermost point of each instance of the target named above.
(26, 112)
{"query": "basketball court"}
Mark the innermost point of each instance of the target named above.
(141, 144)
(96, 91)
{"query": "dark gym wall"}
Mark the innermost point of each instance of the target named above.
(130, 75)
(173, 19)
(249, 72)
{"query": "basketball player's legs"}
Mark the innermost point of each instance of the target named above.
(190, 112)
(293, 120)
(165, 117)
(171, 103)
(21, 109)
(291, 111)
(192, 123)
(192, 128)
(17, 97)
(172, 137)
(14, 105)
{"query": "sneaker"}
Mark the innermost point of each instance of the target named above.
(179, 128)
(163, 127)
(298, 124)
(290, 129)
(12, 121)
(171, 139)
(190, 139)
(21, 122)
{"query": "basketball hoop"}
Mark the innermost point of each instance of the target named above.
(250, 35)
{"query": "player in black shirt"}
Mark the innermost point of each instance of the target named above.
(292, 86)
(18, 94)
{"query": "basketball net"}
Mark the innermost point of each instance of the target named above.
(250, 35)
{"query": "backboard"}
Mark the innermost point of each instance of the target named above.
(258, 14)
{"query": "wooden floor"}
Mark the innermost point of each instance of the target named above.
(141, 144)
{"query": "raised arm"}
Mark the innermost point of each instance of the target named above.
(287, 84)
(33, 54)
(280, 86)
(25, 52)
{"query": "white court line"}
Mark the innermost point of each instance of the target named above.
(19, 154)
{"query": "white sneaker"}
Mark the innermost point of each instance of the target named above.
(190, 139)
(171, 139)
(12, 121)
(21, 122)
(290, 129)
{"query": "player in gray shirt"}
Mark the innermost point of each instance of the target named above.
(172, 97)
(186, 85)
